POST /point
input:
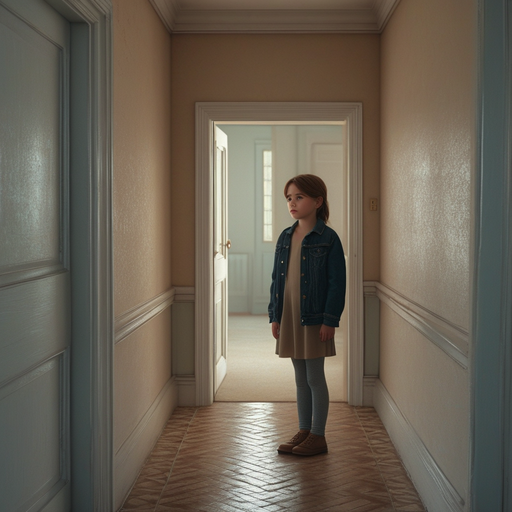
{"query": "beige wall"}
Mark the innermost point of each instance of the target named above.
(269, 68)
(428, 106)
(142, 157)
(142, 213)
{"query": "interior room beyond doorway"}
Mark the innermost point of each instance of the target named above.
(261, 158)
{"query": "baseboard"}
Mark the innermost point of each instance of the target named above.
(368, 390)
(131, 456)
(186, 390)
(436, 491)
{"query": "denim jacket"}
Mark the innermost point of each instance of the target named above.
(323, 276)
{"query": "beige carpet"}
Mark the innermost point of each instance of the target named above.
(256, 374)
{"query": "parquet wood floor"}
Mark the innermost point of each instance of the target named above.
(223, 458)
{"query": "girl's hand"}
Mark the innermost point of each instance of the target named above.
(275, 330)
(326, 333)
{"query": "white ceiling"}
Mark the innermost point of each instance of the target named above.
(274, 16)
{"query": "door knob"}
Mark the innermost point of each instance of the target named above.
(228, 244)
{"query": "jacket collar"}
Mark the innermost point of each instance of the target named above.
(319, 227)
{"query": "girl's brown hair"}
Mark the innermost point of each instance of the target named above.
(311, 186)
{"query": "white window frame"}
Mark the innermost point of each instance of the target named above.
(271, 195)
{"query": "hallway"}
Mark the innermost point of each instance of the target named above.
(224, 458)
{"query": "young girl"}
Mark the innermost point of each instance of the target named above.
(307, 297)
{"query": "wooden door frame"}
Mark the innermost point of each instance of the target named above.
(209, 113)
(91, 252)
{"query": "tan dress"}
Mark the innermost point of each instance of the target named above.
(296, 340)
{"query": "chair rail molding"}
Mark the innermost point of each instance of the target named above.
(207, 114)
(134, 318)
(451, 339)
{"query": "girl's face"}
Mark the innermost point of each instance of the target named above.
(301, 206)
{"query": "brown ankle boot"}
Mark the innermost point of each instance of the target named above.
(312, 445)
(300, 436)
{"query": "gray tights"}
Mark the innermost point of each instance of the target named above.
(312, 394)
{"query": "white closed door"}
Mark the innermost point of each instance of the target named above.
(34, 258)
(221, 246)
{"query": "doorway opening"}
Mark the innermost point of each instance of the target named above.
(208, 321)
(261, 159)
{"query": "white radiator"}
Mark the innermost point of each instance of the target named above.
(238, 282)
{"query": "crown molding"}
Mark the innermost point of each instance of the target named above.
(349, 20)
(167, 10)
(384, 9)
(276, 21)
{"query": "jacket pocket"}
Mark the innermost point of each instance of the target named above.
(318, 256)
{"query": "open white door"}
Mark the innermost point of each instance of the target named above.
(221, 244)
(35, 297)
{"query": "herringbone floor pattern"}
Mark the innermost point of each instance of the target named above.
(223, 458)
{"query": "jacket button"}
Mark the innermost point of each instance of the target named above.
(303, 257)
(302, 275)
(277, 295)
(303, 296)
(282, 261)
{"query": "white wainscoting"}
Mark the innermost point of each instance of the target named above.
(436, 491)
(368, 390)
(186, 383)
(186, 390)
(131, 455)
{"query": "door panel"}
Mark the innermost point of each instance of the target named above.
(220, 256)
(32, 235)
(30, 445)
(34, 322)
(34, 258)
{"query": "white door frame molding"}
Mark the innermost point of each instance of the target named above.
(209, 113)
(91, 252)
